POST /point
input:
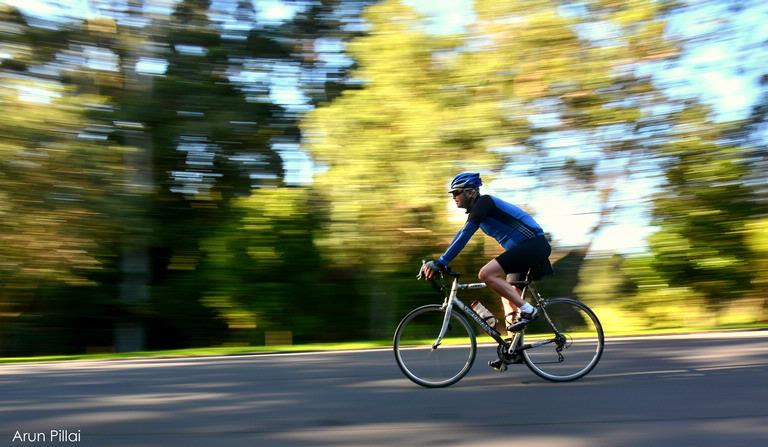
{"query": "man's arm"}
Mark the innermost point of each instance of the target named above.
(459, 242)
(479, 212)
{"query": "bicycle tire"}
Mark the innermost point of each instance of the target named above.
(582, 338)
(434, 368)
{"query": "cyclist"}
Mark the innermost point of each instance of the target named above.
(516, 231)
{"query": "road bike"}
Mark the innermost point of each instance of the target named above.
(435, 345)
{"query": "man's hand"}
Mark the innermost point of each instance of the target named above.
(430, 269)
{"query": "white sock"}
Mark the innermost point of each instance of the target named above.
(527, 308)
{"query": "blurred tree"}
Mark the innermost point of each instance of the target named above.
(750, 134)
(431, 106)
(757, 239)
(210, 141)
(193, 95)
(579, 73)
(318, 33)
(391, 147)
(702, 212)
(54, 187)
(60, 182)
(269, 275)
(144, 158)
(395, 142)
(584, 72)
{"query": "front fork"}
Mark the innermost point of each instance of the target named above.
(448, 308)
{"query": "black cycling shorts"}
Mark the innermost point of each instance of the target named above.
(529, 253)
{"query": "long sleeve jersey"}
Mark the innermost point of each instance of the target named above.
(501, 220)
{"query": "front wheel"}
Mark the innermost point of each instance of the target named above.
(565, 342)
(434, 367)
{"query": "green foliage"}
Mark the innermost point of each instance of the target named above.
(702, 212)
(604, 280)
(391, 146)
(121, 184)
(431, 106)
(58, 186)
(264, 272)
(122, 181)
(757, 236)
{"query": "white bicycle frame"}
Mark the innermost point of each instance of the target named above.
(453, 300)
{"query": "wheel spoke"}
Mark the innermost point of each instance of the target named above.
(577, 344)
(433, 366)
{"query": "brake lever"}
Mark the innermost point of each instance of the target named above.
(432, 280)
(421, 270)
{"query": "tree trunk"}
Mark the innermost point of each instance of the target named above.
(135, 257)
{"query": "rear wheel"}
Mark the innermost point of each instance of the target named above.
(566, 341)
(428, 366)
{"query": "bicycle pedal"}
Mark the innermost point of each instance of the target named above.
(497, 365)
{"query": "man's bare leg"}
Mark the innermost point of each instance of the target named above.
(493, 275)
(510, 310)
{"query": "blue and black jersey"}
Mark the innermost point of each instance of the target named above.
(501, 220)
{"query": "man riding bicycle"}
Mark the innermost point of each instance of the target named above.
(516, 231)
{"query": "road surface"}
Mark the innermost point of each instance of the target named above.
(695, 390)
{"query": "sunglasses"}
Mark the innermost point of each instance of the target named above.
(456, 192)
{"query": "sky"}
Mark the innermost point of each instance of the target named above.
(713, 70)
(266, 10)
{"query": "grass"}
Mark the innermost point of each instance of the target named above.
(208, 351)
(319, 347)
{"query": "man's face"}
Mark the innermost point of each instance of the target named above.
(462, 197)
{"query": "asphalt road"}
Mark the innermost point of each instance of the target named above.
(703, 390)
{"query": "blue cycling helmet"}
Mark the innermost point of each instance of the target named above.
(466, 180)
